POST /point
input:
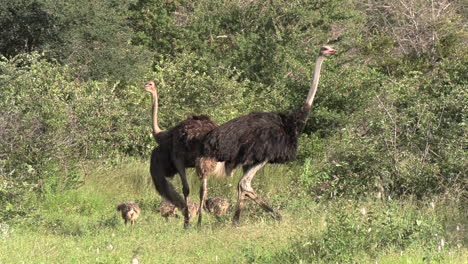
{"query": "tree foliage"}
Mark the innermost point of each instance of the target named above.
(25, 26)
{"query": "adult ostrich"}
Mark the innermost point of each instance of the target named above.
(177, 150)
(259, 138)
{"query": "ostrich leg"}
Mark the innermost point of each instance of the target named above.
(185, 189)
(245, 189)
(203, 195)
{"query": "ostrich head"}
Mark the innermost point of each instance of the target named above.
(150, 86)
(327, 51)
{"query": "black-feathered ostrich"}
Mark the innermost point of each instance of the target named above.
(259, 138)
(177, 150)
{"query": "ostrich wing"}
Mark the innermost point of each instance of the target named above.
(194, 129)
(253, 138)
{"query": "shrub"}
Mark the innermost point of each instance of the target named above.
(51, 122)
(404, 137)
(415, 28)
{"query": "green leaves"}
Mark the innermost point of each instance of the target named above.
(25, 25)
(50, 122)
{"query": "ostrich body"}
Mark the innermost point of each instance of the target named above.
(178, 150)
(259, 138)
(217, 206)
(130, 211)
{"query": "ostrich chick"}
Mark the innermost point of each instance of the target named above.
(167, 209)
(130, 211)
(217, 206)
(192, 209)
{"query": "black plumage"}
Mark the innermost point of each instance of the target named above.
(257, 137)
(178, 143)
(179, 149)
(187, 136)
(161, 167)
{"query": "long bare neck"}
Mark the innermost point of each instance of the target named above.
(156, 128)
(315, 81)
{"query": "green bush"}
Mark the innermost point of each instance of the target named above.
(92, 37)
(403, 141)
(25, 26)
(50, 123)
(193, 84)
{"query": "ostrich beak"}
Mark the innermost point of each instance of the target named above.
(327, 51)
(149, 86)
(331, 51)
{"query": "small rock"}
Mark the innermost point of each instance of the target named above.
(110, 246)
(363, 211)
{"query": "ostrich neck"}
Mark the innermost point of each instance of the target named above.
(156, 128)
(315, 81)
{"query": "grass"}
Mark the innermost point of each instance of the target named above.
(152, 241)
(82, 226)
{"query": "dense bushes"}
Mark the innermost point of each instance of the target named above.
(389, 115)
(49, 122)
(92, 37)
(405, 145)
(395, 131)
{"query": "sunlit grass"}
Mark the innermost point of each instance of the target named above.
(83, 226)
(152, 238)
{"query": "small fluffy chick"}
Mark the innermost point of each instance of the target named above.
(217, 206)
(193, 209)
(130, 211)
(167, 209)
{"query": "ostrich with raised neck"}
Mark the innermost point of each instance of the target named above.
(256, 139)
(178, 150)
(158, 133)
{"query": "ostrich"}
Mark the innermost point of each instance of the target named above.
(177, 151)
(259, 138)
(217, 206)
(130, 211)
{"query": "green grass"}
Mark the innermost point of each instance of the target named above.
(82, 226)
(152, 239)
